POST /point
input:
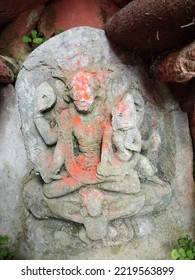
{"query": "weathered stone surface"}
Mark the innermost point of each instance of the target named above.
(191, 117)
(68, 14)
(46, 24)
(11, 44)
(48, 236)
(177, 66)
(11, 9)
(8, 70)
(6, 75)
(150, 26)
(14, 165)
(166, 144)
(192, 123)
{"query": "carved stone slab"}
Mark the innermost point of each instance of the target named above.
(101, 137)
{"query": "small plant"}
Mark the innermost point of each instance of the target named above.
(4, 251)
(35, 39)
(186, 250)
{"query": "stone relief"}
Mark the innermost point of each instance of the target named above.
(88, 129)
(94, 171)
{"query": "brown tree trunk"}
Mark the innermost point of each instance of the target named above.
(153, 25)
(177, 66)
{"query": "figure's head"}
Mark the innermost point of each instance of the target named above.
(83, 91)
(124, 114)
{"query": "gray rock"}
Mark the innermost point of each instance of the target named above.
(14, 166)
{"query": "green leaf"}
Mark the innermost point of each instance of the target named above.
(185, 241)
(38, 41)
(182, 252)
(175, 255)
(44, 39)
(40, 34)
(182, 242)
(60, 30)
(26, 39)
(34, 33)
(4, 239)
(190, 255)
(3, 253)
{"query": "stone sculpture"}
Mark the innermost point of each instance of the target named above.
(103, 174)
(83, 134)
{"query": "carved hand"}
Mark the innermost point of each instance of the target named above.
(46, 98)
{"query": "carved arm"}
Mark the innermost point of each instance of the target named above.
(45, 100)
(107, 152)
(133, 140)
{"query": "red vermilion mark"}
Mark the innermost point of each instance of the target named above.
(86, 96)
(82, 175)
(78, 63)
(77, 120)
(93, 73)
(79, 87)
(121, 107)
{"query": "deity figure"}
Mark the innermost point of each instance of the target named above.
(97, 161)
(83, 122)
(126, 138)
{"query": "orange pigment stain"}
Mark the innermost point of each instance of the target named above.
(103, 125)
(107, 138)
(105, 148)
(93, 73)
(82, 175)
(77, 120)
(86, 96)
(78, 63)
(79, 87)
(81, 159)
(83, 78)
(121, 107)
(85, 195)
